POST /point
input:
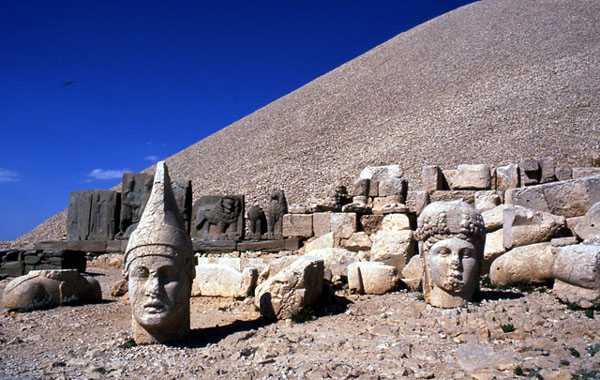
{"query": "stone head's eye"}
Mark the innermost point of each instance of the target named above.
(168, 273)
(140, 272)
(442, 251)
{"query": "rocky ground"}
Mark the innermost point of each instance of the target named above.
(506, 334)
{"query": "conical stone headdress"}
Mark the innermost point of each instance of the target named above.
(162, 227)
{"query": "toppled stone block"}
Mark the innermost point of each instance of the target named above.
(585, 172)
(372, 278)
(524, 226)
(494, 248)
(577, 274)
(493, 218)
(218, 218)
(359, 241)
(219, 280)
(395, 222)
(93, 215)
(297, 225)
(530, 172)
(432, 178)
(412, 273)
(371, 223)
(41, 289)
(507, 177)
(546, 169)
(567, 198)
(467, 196)
(393, 247)
(293, 288)
(527, 264)
(563, 174)
(321, 242)
(486, 200)
(471, 177)
(336, 263)
(589, 225)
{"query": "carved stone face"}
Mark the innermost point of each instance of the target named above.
(454, 265)
(158, 291)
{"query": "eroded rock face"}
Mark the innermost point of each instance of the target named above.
(40, 289)
(294, 287)
(159, 267)
(527, 264)
(453, 238)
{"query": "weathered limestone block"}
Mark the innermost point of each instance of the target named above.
(421, 200)
(451, 241)
(524, 226)
(275, 266)
(530, 172)
(321, 223)
(371, 223)
(93, 215)
(379, 173)
(393, 247)
(467, 196)
(585, 172)
(359, 241)
(567, 198)
(360, 205)
(493, 218)
(563, 174)
(219, 280)
(486, 200)
(372, 278)
(589, 225)
(494, 248)
(507, 177)
(546, 169)
(361, 188)
(577, 274)
(297, 286)
(335, 198)
(336, 262)
(472, 177)
(432, 178)
(343, 224)
(275, 212)
(388, 205)
(41, 289)
(218, 218)
(321, 242)
(135, 192)
(393, 186)
(159, 268)
(395, 222)
(299, 208)
(412, 273)
(527, 264)
(297, 225)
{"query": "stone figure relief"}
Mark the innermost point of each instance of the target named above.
(136, 191)
(159, 268)
(219, 217)
(277, 209)
(452, 238)
(258, 222)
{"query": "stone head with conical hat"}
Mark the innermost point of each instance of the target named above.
(159, 266)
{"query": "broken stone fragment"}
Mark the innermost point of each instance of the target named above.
(585, 172)
(589, 225)
(507, 177)
(530, 172)
(527, 264)
(578, 265)
(486, 200)
(412, 273)
(321, 242)
(471, 177)
(395, 222)
(371, 223)
(359, 241)
(393, 247)
(40, 289)
(372, 278)
(493, 218)
(293, 288)
(494, 248)
(431, 178)
(218, 280)
(336, 263)
(546, 169)
(524, 226)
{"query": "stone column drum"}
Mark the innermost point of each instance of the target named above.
(452, 236)
(159, 266)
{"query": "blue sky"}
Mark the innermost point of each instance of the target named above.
(94, 88)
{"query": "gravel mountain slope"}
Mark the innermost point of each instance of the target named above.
(493, 82)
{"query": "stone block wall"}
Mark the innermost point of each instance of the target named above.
(14, 263)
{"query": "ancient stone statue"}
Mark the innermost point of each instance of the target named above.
(452, 238)
(258, 221)
(219, 217)
(40, 289)
(135, 192)
(277, 208)
(159, 267)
